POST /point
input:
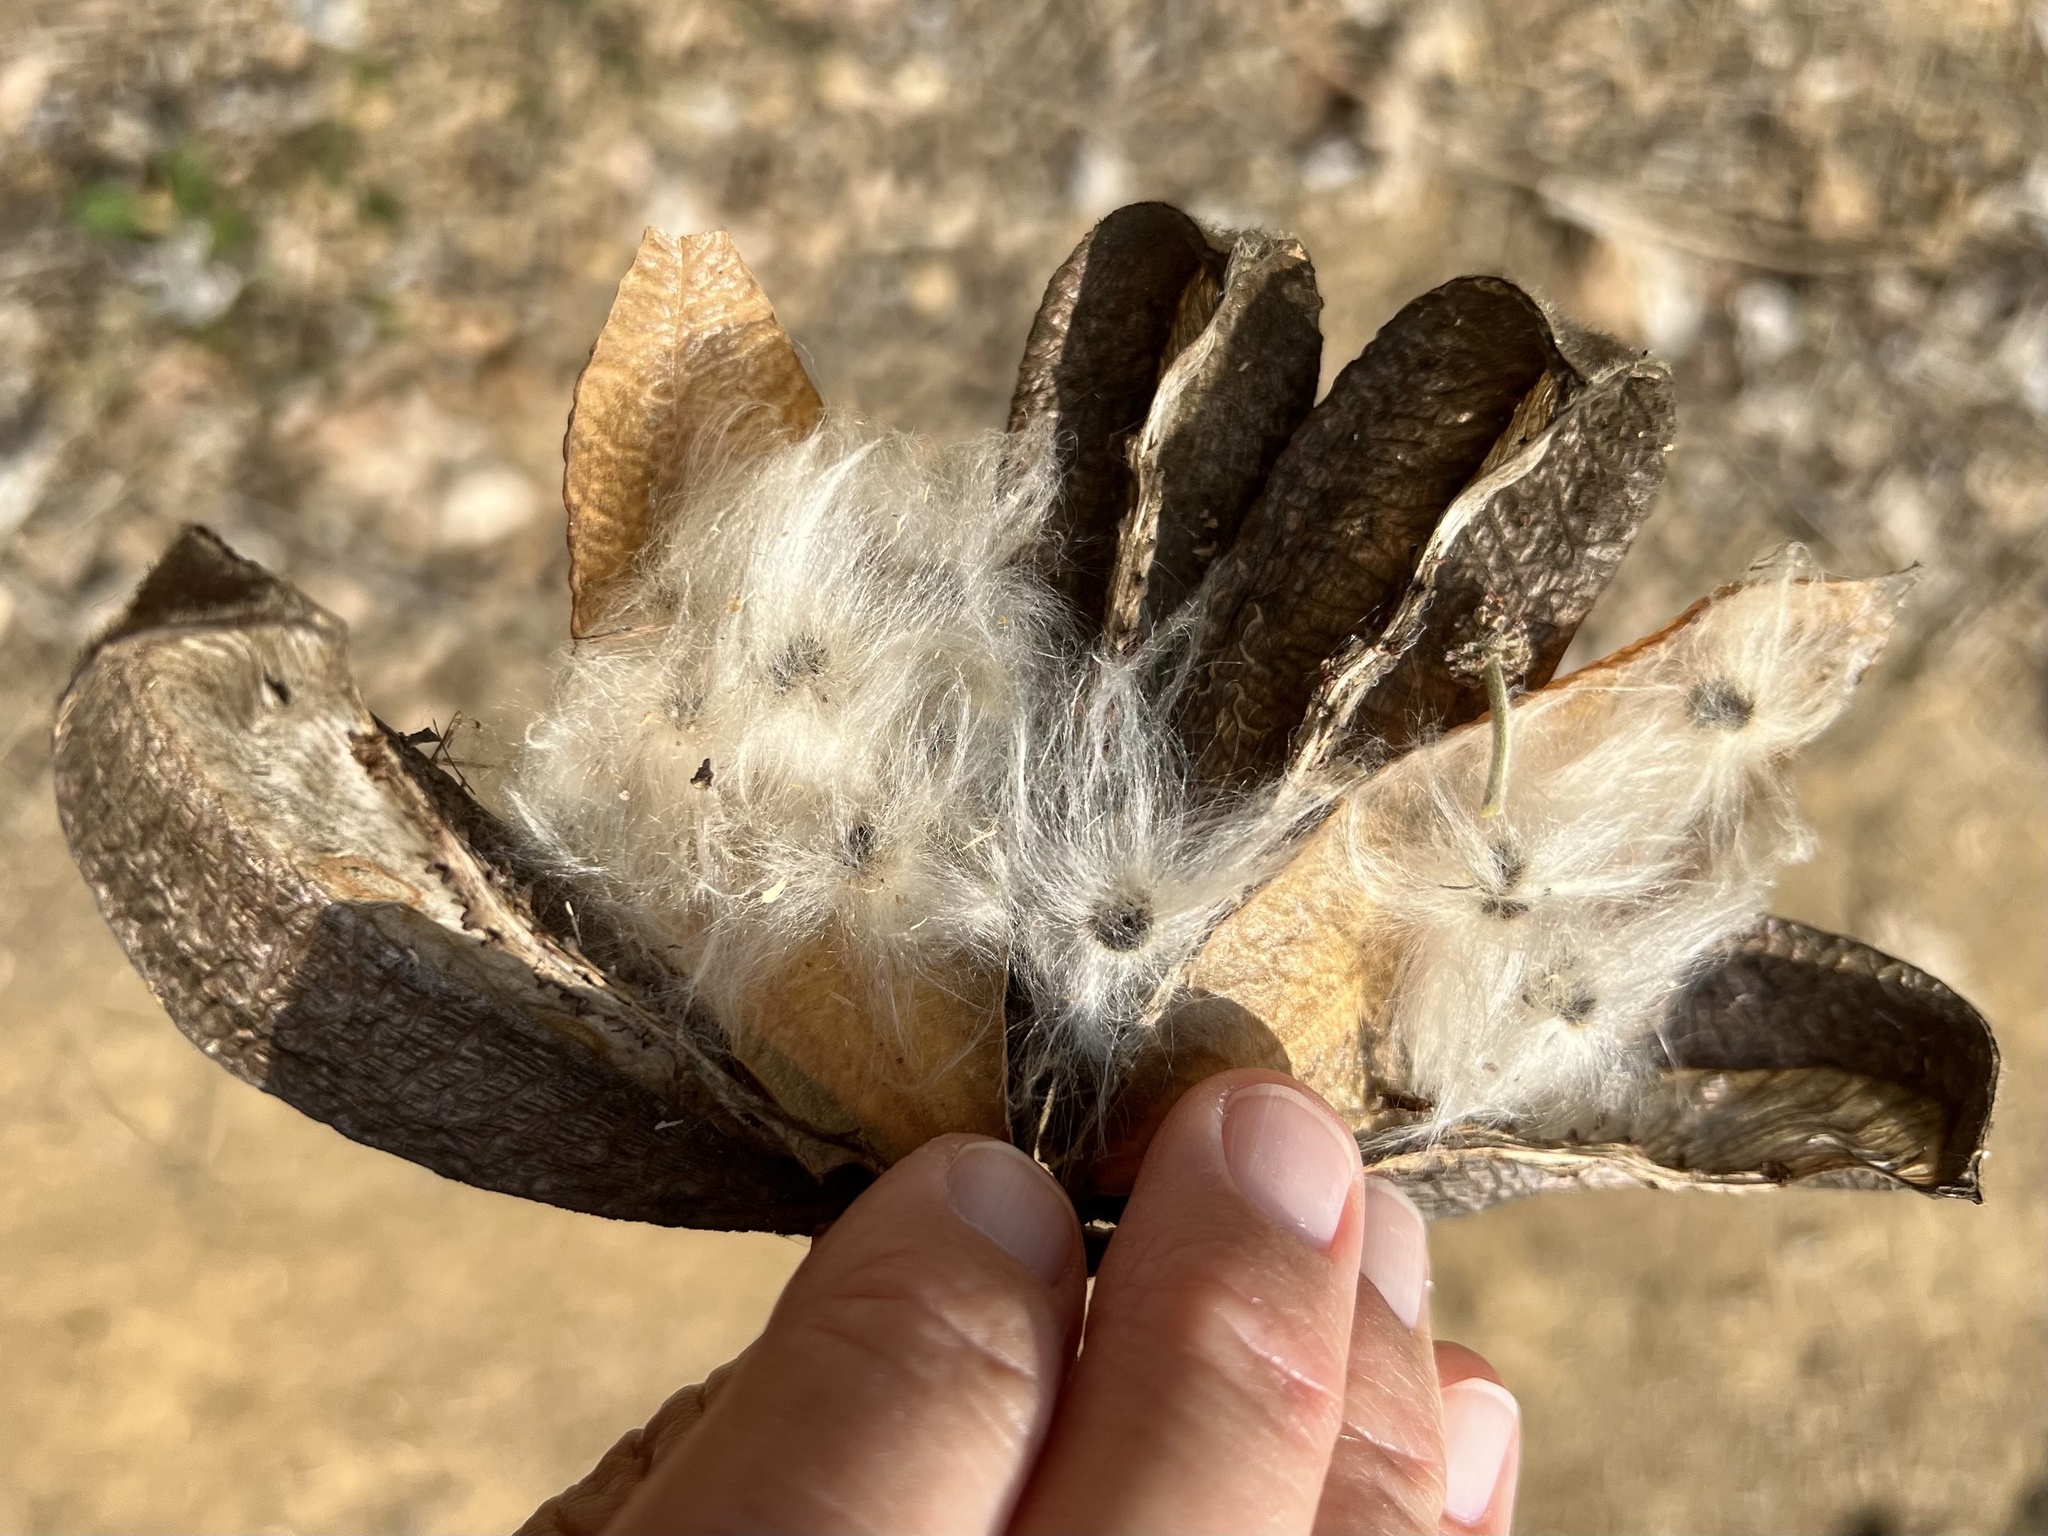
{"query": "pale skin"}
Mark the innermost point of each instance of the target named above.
(1256, 1356)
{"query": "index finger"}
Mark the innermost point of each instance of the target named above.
(907, 1374)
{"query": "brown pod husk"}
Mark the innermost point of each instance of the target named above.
(1528, 567)
(881, 1076)
(1139, 286)
(1510, 570)
(1800, 1058)
(287, 876)
(692, 373)
(1225, 409)
(691, 360)
(1332, 540)
(1792, 999)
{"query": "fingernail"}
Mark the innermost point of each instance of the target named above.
(1395, 1254)
(1480, 1419)
(1288, 1159)
(1014, 1203)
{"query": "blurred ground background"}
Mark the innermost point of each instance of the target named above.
(321, 272)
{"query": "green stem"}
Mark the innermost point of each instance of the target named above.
(1497, 768)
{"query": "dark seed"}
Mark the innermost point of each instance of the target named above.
(1719, 705)
(703, 774)
(860, 844)
(278, 691)
(1503, 908)
(1508, 865)
(803, 657)
(1122, 924)
(1578, 1006)
(1414, 1104)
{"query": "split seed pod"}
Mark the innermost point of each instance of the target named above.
(1281, 669)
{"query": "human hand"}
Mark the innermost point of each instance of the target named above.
(1256, 1358)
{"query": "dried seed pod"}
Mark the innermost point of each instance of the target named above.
(884, 1077)
(1576, 473)
(1140, 286)
(332, 920)
(690, 362)
(691, 376)
(1331, 542)
(1798, 1058)
(1625, 804)
(1787, 1000)
(1227, 405)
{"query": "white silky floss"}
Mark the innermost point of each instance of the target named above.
(829, 730)
(868, 718)
(1646, 821)
(1119, 870)
(858, 713)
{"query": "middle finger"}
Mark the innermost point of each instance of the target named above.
(1210, 1387)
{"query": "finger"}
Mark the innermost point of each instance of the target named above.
(1211, 1381)
(1387, 1472)
(906, 1377)
(1482, 1444)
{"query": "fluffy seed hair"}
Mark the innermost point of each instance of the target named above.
(1120, 868)
(862, 717)
(829, 732)
(1646, 821)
